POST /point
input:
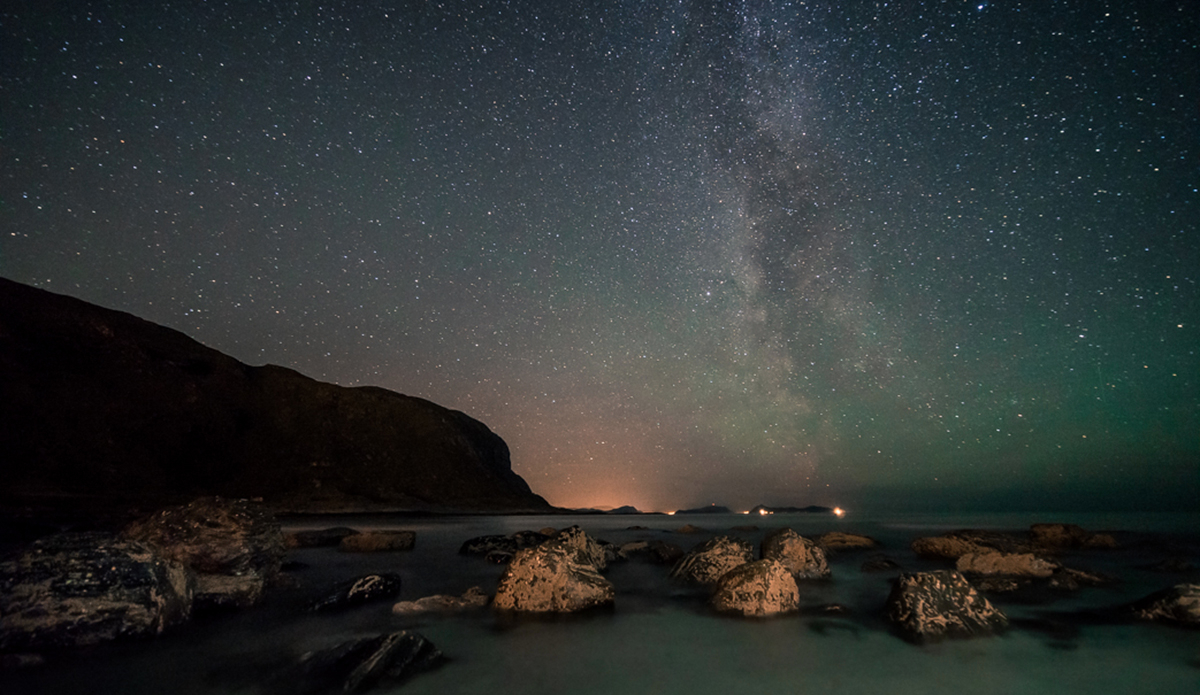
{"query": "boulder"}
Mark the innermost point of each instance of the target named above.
(475, 597)
(86, 588)
(709, 561)
(838, 540)
(510, 544)
(931, 605)
(1179, 605)
(550, 579)
(757, 589)
(1006, 564)
(378, 541)
(944, 548)
(358, 665)
(235, 547)
(586, 550)
(803, 558)
(321, 538)
(366, 589)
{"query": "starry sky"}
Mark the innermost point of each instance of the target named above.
(887, 255)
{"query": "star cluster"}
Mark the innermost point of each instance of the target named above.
(674, 252)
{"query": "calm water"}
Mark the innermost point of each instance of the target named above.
(659, 639)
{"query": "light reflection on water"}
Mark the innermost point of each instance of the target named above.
(659, 639)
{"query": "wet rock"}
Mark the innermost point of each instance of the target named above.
(472, 598)
(358, 665)
(86, 588)
(1006, 564)
(656, 551)
(838, 540)
(879, 564)
(999, 585)
(365, 589)
(510, 544)
(235, 547)
(321, 538)
(498, 557)
(378, 541)
(586, 550)
(757, 589)
(550, 579)
(709, 561)
(931, 605)
(802, 557)
(1179, 605)
(1063, 536)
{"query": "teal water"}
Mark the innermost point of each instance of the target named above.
(659, 639)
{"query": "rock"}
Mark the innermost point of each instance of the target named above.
(1006, 564)
(1100, 541)
(235, 547)
(930, 605)
(1171, 565)
(1067, 579)
(657, 551)
(366, 589)
(688, 528)
(803, 558)
(838, 540)
(78, 589)
(1179, 605)
(498, 557)
(1064, 536)
(879, 564)
(548, 531)
(999, 585)
(475, 597)
(358, 665)
(944, 548)
(586, 550)
(709, 561)
(317, 539)
(757, 589)
(483, 545)
(378, 541)
(550, 579)
(102, 409)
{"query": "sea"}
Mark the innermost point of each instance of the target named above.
(660, 638)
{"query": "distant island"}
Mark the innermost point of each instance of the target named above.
(105, 411)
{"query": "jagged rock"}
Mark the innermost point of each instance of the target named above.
(757, 589)
(1006, 564)
(378, 541)
(372, 587)
(510, 544)
(87, 588)
(930, 605)
(235, 547)
(358, 665)
(550, 579)
(709, 561)
(475, 597)
(879, 564)
(838, 540)
(1179, 604)
(586, 550)
(803, 558)
(321, 538)
(105, 411)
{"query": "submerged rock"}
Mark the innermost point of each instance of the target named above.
(366, 589)
(1179, 605)
(321, 538)
(508, 545)
(709, 561)
(475, 597)
(944, 547)
(757, 589)
(879, 564)
(839, 540)
(930, 605)
(378, 541)
(86, 588)
(1006, 564)
(657, 551)
(554, 577)
(358, 665)
(586, 550)
(235, 547)
(1062, 536)
(802, 557)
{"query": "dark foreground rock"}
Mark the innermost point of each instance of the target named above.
(757, 589)
(709, 561)
(103, 410)
(552, 578)
(79, 589)
(930, 605)
(235, 547)
(359, 665)
(366, 589)
(801, 556)
(472, 598)
(1178, 605)
(510, 544)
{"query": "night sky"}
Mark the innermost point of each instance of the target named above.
(886, 255)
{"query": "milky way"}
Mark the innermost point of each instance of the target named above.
(868, 254)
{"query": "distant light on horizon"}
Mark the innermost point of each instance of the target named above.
(839, 512)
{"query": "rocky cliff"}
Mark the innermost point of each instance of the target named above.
(102, 409)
